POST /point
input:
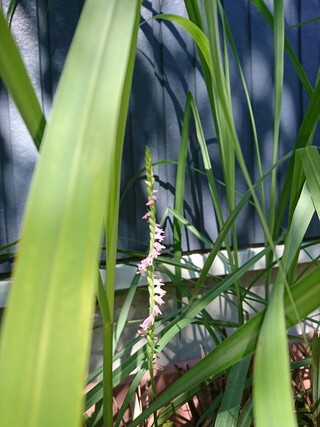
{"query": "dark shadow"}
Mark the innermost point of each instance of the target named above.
(43, 31)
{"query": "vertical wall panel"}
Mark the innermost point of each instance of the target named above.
(18, 153)
(310, 57)
(262, 65)
(238, 15)
(8, 213)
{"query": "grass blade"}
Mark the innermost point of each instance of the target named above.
(272, 386)
(126, 15)
(306, 294)
(133, 387)
(246, 92)
(123, 315)
(263, 9)
(228, 135)
(182, 221)
(307, 22)
(315, 376)
(179, 193)
(15, 77)
(207, 166)
(311, 166)
(230, 406)
(245, 419)
(304, 139)
(300, 221)
(52, 296)
(273, 403)
(11, 8)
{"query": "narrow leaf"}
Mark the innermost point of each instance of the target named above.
(271, 389)
(230, 406)
(311, 166)
(46, 334)
(306, 294)
(15, 77)
(315, 375)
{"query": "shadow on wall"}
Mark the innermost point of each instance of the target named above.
(166, 68)
(43, 32)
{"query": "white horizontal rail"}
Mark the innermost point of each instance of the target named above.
(125, 272)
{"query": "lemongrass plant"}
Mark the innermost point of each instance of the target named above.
(75, 194)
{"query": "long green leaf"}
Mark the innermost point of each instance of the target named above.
(266, 13)
(271, 373)
(132, 389)
(245, 419)
(272, 390)
(46, 334)
(310, 159)
(210, 51)
(307, 22)
(207, 166)
(124, 17)
(230, 406)
(225, 123)
(315, 375)
(15, 77)
(247, 96)
(304, 139)
(306, 295)
(124, 313)
(11, 8)
(223, 232)
(182, 221)
(179, 193)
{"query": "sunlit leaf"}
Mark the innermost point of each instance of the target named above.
(46, 334)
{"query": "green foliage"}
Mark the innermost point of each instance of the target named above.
(15, 77)
(315, 376)
(75, 195)
(74, 189)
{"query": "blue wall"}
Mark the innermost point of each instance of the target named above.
(166, 68)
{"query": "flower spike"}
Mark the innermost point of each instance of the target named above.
(146, 266)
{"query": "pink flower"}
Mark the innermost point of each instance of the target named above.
(159, 233)
(158, 246)
(144, 264)
(154, 253)
(159, 237)
(159, 291)
(156, 310)
(158, 300)
(146, 324)
(152, 200)
(158, 282)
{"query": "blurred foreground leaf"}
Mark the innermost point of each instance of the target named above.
(46, 333)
